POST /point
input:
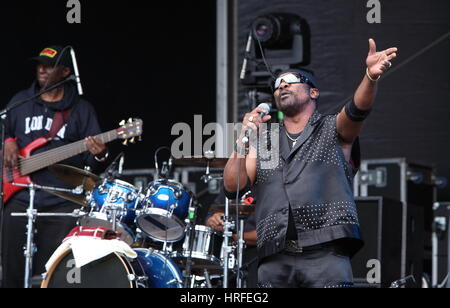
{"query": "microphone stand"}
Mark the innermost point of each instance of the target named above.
(3, 119)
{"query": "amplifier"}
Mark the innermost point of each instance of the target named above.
(409, 182)
(379, 262)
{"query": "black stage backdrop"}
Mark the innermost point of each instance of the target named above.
(157, 62)
(412, 114)
(153, 60)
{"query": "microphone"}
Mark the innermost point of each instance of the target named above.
(77, 73)
(110, 170)
(121, 162)
(249, 132)
(247, 51)
(170, 164)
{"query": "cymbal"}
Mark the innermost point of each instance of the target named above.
(75, 176)
(244, 209)
(218, 163)
(78, 199)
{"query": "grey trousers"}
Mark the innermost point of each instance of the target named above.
(325, 267)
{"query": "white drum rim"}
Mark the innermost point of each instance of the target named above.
(49, 273)
(173, 182)
(122, 183)
(204, 228)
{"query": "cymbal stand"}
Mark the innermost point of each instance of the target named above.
(207, 279)
(32, 214)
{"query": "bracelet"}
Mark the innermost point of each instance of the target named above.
(370, 77)
(103, 159)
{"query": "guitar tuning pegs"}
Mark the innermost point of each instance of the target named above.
(132, 140)
(122, 123)
(125, 143)
(130, 120)
(140, 139)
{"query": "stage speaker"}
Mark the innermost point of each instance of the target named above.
(379, 262)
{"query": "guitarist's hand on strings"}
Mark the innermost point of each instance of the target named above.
(11, 154)
(96, 147)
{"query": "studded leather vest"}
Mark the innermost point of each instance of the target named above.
(314, 179)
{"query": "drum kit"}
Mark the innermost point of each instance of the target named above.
(157, 221)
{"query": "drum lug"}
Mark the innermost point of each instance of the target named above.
(174, 281)
(130, 197)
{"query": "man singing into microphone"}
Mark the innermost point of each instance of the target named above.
(307, 224)
(64, 117)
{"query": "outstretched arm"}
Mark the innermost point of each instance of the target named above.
(350, 119)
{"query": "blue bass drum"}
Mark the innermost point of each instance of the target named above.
(161, 271)
(166, 206)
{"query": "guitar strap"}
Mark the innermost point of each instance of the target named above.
(59, 120)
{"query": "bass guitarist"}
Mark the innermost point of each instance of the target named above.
(64, 117)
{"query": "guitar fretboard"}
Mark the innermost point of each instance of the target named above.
(51, 157)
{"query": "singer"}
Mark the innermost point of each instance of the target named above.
(307, 223)
(65, 117)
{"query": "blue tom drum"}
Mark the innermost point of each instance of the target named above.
(166, 206)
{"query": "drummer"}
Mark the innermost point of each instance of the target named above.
(250, 259)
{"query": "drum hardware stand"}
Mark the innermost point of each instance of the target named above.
(190, 226)
(32, 214)
(113, 209)
(227, 249)
(229, 225)
(240, 252)
(167, 248)
(403, 282)
(207, 279)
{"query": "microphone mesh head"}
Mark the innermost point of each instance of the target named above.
(265, 107)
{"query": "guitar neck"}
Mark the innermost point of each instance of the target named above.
(51, 157)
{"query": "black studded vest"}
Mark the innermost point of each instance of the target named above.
(314, 179)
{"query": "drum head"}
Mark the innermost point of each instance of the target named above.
(112, 271)
(159, 227)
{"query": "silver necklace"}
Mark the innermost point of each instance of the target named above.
(292, 139)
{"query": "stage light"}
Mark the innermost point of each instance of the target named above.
(280, 41)
(276, 30)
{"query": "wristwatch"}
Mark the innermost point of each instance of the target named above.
(103, 159)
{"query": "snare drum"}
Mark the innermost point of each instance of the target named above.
(205, 253)
(166, 206)
(149, 270)
(120, 195)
